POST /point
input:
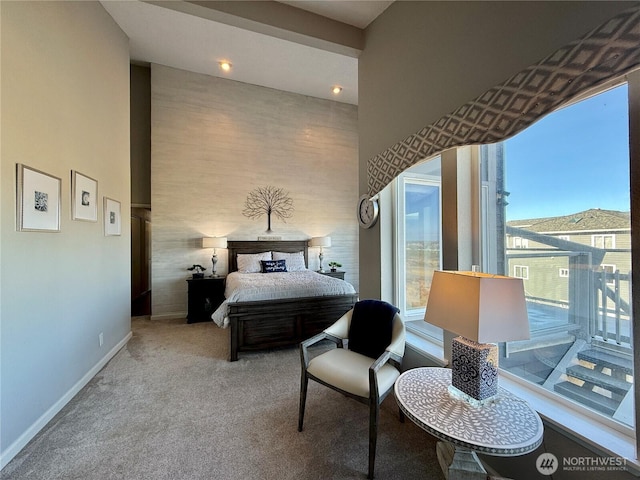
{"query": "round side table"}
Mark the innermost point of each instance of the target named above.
(505, 425)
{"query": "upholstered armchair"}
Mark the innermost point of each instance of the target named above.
(370, 340)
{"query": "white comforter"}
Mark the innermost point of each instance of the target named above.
(249, 287)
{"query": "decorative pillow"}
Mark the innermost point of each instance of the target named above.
(295, 261)
(250, 262)
(371, 327)
(270, 266)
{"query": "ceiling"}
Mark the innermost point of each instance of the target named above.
(358, 13)
(195, 36)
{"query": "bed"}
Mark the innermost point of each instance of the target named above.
(261, 317)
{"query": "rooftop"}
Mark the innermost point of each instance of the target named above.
(587, 220)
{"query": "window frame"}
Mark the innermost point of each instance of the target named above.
(610, 437)
(603, 236)
(519, 242)
(574, 420)
(524, 272)
(414, 321)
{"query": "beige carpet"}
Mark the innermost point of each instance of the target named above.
(170, 406)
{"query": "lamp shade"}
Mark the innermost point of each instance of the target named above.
(214, 242)
(482, 307)
(320, 242)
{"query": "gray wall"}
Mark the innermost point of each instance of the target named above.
(215, 140)
(422, 60)
(65, 105)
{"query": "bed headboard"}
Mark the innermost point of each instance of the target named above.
(258, 246)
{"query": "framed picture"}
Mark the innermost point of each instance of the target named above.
(84, 197)
(38, 200)
(112, 217)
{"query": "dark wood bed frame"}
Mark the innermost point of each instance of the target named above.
(277, 323)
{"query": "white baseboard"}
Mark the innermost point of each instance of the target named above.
(7, 455)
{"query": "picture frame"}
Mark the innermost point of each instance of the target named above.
(112, 217)
(37, 200)
(84, 197)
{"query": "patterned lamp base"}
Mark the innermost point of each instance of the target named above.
(474, 368)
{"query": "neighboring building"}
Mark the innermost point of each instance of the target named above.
(576, 274)
(542, 251)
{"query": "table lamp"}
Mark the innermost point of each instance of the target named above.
(320, 242)
(214, 242)
(483, 309)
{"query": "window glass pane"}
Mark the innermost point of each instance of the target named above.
(422, 241)
(418, 242)
(567, 234)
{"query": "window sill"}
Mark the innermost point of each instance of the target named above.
(577, 426)
(564, 418)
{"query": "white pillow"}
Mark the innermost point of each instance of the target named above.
(295, 261)
(250, 262)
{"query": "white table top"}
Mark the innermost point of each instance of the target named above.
(504, 426)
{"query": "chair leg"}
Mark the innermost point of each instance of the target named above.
(304, 382)
(374, 416)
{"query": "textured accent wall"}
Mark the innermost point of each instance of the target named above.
(214, 140)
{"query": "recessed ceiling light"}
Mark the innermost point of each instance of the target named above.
(226, 66)
(336, 89)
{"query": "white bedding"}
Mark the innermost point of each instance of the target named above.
(249, 287)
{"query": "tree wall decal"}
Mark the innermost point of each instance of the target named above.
(268, 200)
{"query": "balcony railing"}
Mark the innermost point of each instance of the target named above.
(612, 312)
(593, 303)
(580, 319)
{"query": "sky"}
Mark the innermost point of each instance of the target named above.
(573, 159)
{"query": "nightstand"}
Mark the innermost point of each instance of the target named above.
(336, 274)
(205, 296)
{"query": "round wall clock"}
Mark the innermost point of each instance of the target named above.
(367, 211)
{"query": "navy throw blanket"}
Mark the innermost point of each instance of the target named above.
(371, 327)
